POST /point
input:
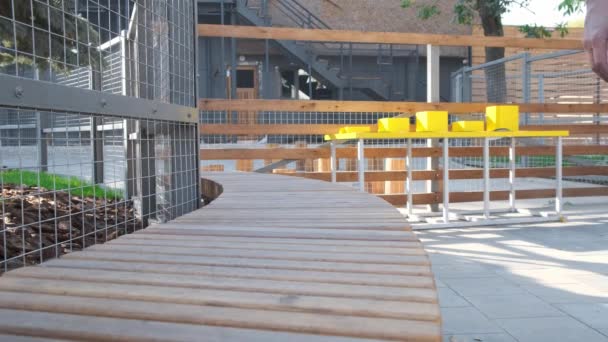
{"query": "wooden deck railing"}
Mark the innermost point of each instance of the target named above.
(588, 134)
(318, 156)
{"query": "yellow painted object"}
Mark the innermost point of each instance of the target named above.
(448, 135)
(468, 126)
(394, 125)
(433, 121)
(502, 118)
(355, 129)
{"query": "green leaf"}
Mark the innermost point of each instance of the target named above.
(406, 3)
(569, 7)
(426, 12)
(562, 28)
(535, 31)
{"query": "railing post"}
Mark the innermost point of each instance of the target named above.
(466, 85)
(409, 181)
(486, 178)
(432, 95)
(512, 175)
(446, 180)
(526, 95)
(333, 161)
(541, 96)
(361, 164)
(265, 12)
(526, 82)
(558, 176)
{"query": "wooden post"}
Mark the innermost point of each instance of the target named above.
(303, 165)
(270, 161)
(394, 187)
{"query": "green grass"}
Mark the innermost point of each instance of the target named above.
(533, 161)
(49, 181)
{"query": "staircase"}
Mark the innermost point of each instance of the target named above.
(333, 76)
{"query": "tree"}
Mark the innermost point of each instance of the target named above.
(489, 13)
(79, 50)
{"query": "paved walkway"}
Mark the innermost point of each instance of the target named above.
(536, 283)
(272, 259)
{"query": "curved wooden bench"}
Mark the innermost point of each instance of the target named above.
(272, 259)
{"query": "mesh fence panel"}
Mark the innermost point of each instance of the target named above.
(59, 196)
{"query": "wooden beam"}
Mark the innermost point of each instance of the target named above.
(385, 107)
(390, 152)
(380, 176)
(320, 129)
(298, 34)
(460, 197)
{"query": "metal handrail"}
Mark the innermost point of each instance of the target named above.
(307, 19)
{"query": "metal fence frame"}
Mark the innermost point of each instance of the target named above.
(175, 126)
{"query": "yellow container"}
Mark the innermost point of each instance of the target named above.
(501, 118)
(355, 129)
(394, 125)
(468, 126)
(433, 121)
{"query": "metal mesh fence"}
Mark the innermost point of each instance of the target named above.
(140, 48)
(563, 77)
(79, 174)
(66, 186)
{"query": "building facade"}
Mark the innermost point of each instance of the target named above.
(290, 70)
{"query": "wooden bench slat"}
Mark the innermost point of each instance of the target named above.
(407, 294)
(235, 299)
(246, 273)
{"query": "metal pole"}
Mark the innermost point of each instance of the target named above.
(432, 95)
(558, 176)
(97, 148)
(222, 48)
(332, 161)
(446, 179)
(310, 78)
(541, 96)
(266, 83)
(486, 178)
(361, 165)
(296, 83)
(408, 180)
(341, 90)
(526, 83)
(512, 175)
(350, 70)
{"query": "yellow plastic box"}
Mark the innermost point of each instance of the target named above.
(500, 118)
(394, 125)
(434, 121)
(468, 126)
(355, 129)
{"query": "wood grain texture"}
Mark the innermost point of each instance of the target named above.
(321, 129)
(298, 34)
(390, 152)
(477, 196)
(273, 258)
(386, 106)
(376, 176)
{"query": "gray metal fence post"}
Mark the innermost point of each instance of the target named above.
(97, 147)
(526, 83)
(42, 122)
(541, 96)
(432, 91)
(466, 85)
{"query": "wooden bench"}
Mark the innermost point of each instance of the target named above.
(273, 258)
